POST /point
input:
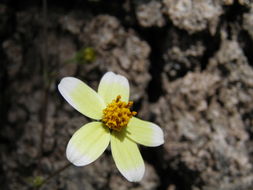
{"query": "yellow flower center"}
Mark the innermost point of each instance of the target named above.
(117, 114)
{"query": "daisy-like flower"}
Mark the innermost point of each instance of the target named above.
(114, 123)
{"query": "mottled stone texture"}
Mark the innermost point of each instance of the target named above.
(248, 22)
(203, 117)
(189, 63)
(194, 16)
(119, 50)
(150, 14)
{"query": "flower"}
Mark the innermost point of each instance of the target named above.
(115, 123)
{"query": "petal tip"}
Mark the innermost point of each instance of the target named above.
(159, 136)
(108, 76)
(134, 175)
(111, 76)
(123, 80)
(75, 156)
(67, 84)
(109, 73)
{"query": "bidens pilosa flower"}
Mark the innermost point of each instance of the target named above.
(115, 123)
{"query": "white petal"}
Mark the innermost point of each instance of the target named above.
(144, 132)
(82, 97)
(112, 85)
(88, 143)
(127, 157)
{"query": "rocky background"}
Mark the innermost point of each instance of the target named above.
(190, 67)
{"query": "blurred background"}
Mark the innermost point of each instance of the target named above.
(189, 64)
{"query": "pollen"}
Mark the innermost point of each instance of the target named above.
(117, 114)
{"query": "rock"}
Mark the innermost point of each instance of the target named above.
(205, 135)
(182, 58)
(194, 16)
(248, 22)
(150, 14)
(119, 51)
(189, 64)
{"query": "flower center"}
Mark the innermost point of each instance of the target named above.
(117, 114)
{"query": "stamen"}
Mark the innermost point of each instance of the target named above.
(117, 114)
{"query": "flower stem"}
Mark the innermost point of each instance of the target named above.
(45, 79)
(57, 172)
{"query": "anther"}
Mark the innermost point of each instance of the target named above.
(117, 114)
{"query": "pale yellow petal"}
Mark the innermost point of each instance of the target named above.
(82, 97)
(112, 85)
(88, 143)
(127, 157)
(144, 132)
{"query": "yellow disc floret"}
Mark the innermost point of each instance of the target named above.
(117, 114)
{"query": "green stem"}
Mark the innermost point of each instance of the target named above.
(57, 172)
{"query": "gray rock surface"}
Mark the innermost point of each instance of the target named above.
(194, 16)
(150, 14)
(189, 64)
(202, 114)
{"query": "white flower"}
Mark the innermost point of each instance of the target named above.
(115, 123)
